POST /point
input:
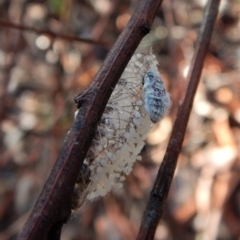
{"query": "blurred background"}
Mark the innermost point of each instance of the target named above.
(40, 75)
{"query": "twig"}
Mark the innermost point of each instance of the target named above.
(49, 33)
(53, 206)
(163, 181)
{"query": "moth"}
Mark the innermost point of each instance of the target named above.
(124, 127)
(156, 99)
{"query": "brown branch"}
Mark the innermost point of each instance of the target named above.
(53, 206)
(163, 181)
(49, 33)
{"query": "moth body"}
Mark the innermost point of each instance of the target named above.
(156, 99)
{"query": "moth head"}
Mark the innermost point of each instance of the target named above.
(151, 76)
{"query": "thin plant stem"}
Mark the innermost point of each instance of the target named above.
(52, 34)
(53, 206)
(158, 195)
